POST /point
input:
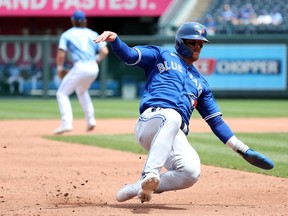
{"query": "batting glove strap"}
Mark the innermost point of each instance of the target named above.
(237, 145)
(258, 160)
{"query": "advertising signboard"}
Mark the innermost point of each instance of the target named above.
(244, 67)
(96, 8)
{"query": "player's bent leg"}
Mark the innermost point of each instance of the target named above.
(156, 132)
(89, 72)
(87, 107)
(183, 166)
(66, 113)
(177, 180)
(65, 89)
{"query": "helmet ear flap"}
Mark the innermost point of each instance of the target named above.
(181, 48)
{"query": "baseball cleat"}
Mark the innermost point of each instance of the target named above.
(62, 130)
(128, 191)
(149, 184)
(90, 127)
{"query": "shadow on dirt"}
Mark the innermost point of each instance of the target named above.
(145, 208)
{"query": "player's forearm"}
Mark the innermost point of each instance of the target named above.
(60, 59)
(225, 134)
(124, 52)
(220, 128)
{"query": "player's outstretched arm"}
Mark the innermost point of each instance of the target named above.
(127, 54)
(226, 135)
(107, 36)
(253, 157)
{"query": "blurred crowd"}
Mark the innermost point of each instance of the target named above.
(232, 19)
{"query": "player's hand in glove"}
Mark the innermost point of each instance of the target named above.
(62, 72)
(251, 156)
(257, 159)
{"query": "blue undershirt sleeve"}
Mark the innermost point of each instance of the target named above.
(124, 52)
(220, 128)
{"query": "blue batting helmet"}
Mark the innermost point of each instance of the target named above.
(189, 30)
(78, 16)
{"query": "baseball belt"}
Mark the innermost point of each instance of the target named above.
(183, 126)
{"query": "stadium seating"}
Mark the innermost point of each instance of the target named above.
(252, 26)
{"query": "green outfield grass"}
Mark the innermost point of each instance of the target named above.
(210, 149)
(117, 108)
(48, 108)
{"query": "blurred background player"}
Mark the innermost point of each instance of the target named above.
(85, 55)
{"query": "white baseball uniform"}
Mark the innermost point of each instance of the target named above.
(158, 131)
(78, 42)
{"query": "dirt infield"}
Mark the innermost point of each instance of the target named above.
(42, 177)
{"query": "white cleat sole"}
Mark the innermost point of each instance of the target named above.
(149, 185)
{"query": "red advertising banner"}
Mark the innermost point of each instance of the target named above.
(96, 8)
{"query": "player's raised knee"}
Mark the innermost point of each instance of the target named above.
(191, 176)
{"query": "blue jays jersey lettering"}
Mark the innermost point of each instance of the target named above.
(166, 66)
(171, 83)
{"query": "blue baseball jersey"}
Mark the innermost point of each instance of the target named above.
(172, 83)
(79, 42)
